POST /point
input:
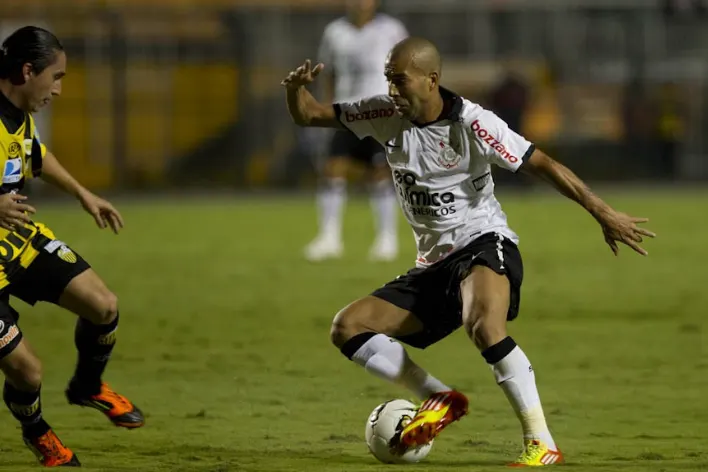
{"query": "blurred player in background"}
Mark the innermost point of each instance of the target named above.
(469, 269)
(35, 266)
(354, 48)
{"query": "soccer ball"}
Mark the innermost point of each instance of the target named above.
(383, 429)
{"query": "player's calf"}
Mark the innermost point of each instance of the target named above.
(485, 307)
(22, 396)
(95, 337)
(362, 333)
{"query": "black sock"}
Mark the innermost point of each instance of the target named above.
(94, 343)
(26, 407)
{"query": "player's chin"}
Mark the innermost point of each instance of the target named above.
(41, 104)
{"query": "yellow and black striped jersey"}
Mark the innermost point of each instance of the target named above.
(21, 153)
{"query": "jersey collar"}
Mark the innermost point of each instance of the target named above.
(451, 109)
(11, 116)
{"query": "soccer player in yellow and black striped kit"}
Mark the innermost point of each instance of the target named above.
(36, 266)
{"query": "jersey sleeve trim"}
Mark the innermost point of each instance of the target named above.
(526, 155)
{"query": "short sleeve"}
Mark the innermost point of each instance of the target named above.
(499, 144)
(374, 116)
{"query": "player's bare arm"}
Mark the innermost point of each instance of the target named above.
(102, 211)
(304, 109)
(616, 226)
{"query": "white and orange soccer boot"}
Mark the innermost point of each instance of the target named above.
(434, 415)
(537, 454)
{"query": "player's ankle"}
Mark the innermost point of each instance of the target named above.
(35, 430)
(80, 386)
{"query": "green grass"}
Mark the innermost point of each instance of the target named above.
(224, 342)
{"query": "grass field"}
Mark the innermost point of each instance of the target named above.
(224, 342)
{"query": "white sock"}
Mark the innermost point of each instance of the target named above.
(383, 203)
(330, 199)
(387, 359)
(515, 376)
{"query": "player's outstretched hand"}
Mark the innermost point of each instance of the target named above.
(102, 211)
(619, 227)
(303, 75)
(13, 213)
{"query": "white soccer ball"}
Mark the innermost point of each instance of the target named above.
(383, 428)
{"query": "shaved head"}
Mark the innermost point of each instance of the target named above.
(413, 70)
(418, 52)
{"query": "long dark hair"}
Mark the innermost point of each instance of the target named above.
(29, 44)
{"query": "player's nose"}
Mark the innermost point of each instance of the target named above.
(56, 88)
(392, 90)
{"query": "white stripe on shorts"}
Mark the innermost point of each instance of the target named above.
(500, 250)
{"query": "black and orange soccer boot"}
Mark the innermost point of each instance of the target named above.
(50, 451)
(116, 407)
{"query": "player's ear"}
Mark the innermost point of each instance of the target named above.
(432, 81)
(26, 71)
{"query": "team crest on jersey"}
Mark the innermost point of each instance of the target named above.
(448, 157)
(13, 171)
(14, 149)
(67, 255)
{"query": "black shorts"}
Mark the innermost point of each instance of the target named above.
(433, 295)
(368, 150)
(44, 280)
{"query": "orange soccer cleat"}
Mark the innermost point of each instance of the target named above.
(116, 407)
(51, 452)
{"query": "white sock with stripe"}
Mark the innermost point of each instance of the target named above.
(388, 359)
(514, 374)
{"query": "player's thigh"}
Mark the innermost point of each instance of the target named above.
(373, 315)
(88, 297)
(59, 275)
(485, 303)
(490, 288)
(51, 270)
(415, 308)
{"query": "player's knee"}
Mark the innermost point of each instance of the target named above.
(485, 322)
(25, 374)
(348, 323)
(105, 308)
(336, 168)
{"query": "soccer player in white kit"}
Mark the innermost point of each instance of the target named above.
(355, 48)
(469, 270)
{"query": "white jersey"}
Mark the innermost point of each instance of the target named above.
(356, 56)
(442, 170)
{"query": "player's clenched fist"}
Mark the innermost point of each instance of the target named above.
(303, 75)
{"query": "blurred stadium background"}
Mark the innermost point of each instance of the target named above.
(168, 93)
(224, 328)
